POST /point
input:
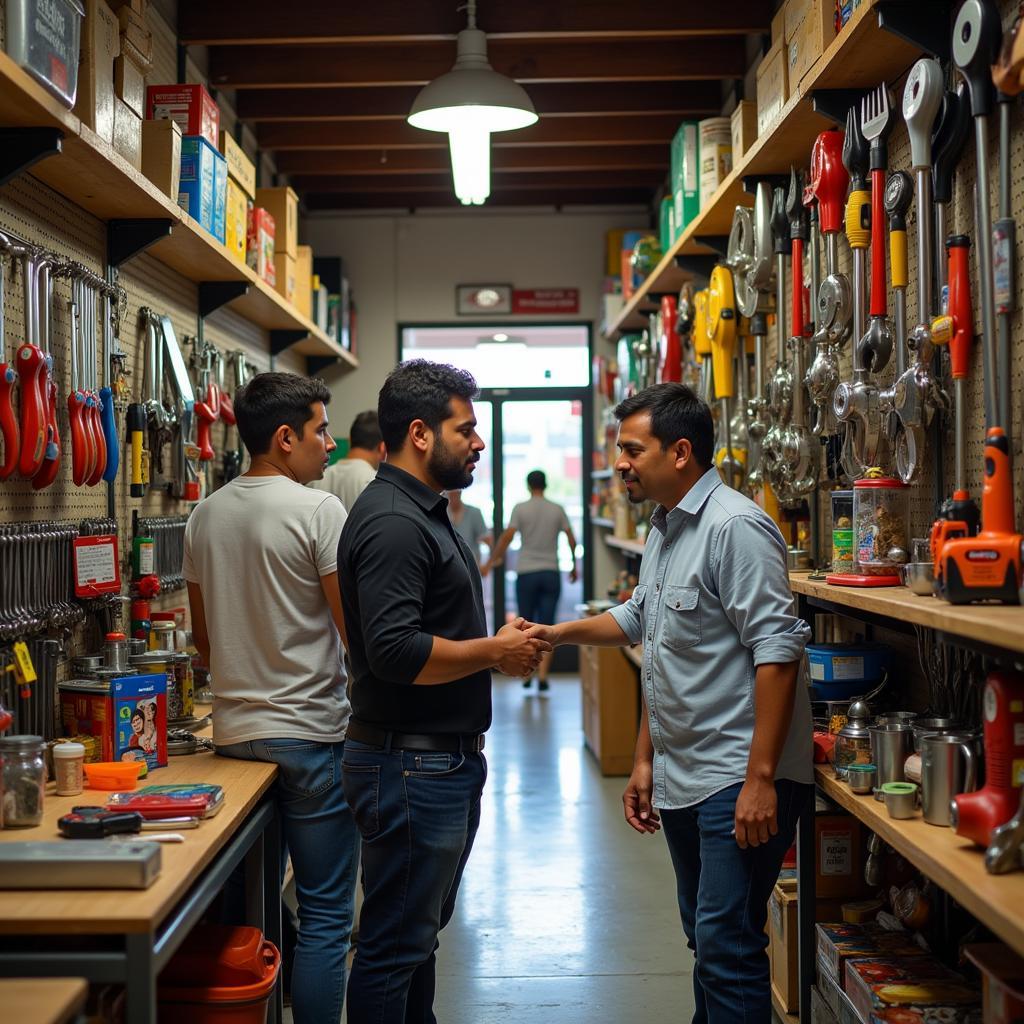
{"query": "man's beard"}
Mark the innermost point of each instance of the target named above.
(448, 470)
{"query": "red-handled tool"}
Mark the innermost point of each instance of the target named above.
(207, 413)
(48, 380)
(672, 363)
(31, 362)
(96, 403)
(9, 431)
(76, 396)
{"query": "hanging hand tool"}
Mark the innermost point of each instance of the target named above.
(9, 432)
(31, 361)
(722, 326)
(48, 380)
(159, 421)
(208, 405)
(185, 483)
(899, 194)
(76, 396)
(780, 386)
(986, 567)
(671, 363)
(829, 182)
(952, 128)
(99, 441)
(702, 344)
(956, 329)
(233, 454)
(107, 397)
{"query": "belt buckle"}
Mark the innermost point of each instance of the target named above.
(477, 745)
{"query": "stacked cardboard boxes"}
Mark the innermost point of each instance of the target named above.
(240, 192)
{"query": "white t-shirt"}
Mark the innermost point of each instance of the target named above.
(346, 479)
(539, 521)
(257, 548)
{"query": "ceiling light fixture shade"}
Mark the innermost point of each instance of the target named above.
(469, 102)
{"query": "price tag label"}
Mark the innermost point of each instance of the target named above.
(24, 670)
(96, 566)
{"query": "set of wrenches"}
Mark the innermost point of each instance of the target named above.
(168, 535)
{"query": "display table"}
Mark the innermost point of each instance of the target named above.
(43, 1001)
(128, 935)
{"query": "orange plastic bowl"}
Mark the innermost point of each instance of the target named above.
(113, 775)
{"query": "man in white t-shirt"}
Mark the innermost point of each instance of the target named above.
(261, 567)
(348, 476)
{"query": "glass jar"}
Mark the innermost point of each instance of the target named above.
(24, 774)
(115, 650)
(842, 531)
(880, 509)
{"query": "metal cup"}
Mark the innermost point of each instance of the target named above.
(900, 799)
(891, 745)
(948, 767)
(931, 726)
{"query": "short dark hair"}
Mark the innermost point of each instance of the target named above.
(271, 400)
(676, 411)
(536, 480)
(365, 431)
(419, 390)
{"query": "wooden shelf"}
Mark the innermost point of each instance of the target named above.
(90, 174)
(635, 547)
(952, 862)
(861, 55)
(993, 625)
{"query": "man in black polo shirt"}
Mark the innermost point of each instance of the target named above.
(413, 770)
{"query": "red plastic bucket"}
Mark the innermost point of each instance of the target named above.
(219, 976)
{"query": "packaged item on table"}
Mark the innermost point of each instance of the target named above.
(68, 768)
(24, 780)
(200, 799)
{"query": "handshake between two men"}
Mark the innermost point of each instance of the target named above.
(521, 645)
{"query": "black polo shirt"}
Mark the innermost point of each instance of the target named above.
(406, 576)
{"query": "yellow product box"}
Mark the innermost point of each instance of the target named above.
(161, 155)
(744, 128)
(240, 167)
(130, 85)
(284, 273)
(127, 133)
(304, 280)
(283, 205)
(101, 43)
(772, 87)
(236, 220)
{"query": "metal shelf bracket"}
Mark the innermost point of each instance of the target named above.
(281, 340)
(127, 238)
(20, 148)
(835, 103)
(315, 364)
(929, 33)
(698, 264)
(214, 294)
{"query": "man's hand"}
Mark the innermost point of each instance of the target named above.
(485, 569)
(519, 653)
(536, 631)
(636, 800)
(756, 817)
(573, 574)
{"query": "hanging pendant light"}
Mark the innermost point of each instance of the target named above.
(469, 103)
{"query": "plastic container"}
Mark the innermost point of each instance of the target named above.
(113, 775)
(43, 37)
(24, 775)
(715, 155)
(880, 537)
(842, 531)
(115, 651)
(220, 975)
(68, 768)
(844, 669)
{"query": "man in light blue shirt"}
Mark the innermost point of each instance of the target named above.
(724, 757)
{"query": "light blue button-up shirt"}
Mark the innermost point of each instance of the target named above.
(713, 602)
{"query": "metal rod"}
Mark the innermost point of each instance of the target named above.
(925, 246)
(1003, 352)
(900, 327)
(985, 278)
(780, 306)
(941, 270)
(960, 446)
(859, 317)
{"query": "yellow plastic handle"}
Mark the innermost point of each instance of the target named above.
(858, 219)
(722, 324)
(136, 446)
(943, 330)
(898, 258)
(701, 341)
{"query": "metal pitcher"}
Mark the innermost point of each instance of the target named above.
(891, 745)
(949, 765)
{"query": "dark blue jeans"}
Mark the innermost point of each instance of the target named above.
(418, 814)
(537, 595)
(723, 896)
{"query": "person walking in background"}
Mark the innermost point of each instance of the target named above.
(261, 567)
(469, 523)
(349, 476)
(538, 583)
(414, 769)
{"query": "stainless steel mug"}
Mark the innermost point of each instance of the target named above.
(891, 745)
(949, 766)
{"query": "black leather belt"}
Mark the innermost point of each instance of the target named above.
(451, 743)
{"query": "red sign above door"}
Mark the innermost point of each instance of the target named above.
(545, 300)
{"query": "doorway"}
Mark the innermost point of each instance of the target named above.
(534, 411)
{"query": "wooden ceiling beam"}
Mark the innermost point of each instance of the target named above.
(654, 129)
(442, 181)
(431, 161)
(595, 99)
(292, 67)
(241, 22)
(511, 197)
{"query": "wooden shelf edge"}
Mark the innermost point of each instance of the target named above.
(780, 1010)
(636, 547)
(953, 863)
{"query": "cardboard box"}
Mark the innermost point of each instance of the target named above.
(284, 273)
(821, 1012)
(140, 7)
(782, 913)
(304, 280)
(240, 167)
(793, 14)
(127, 133)
(810, 38)
(684, 179)
(921, 984)
(100, 45)
(772, 87)
(840, 841)
(744, 128)
(161, 155)
(259, 243)
(1002, 981)
(130, 85)
(837, 942)
(190, 105)
(283, 205)
(236, 220)
(220, 198)
(779, 26)
(135, 30)
(198, 173)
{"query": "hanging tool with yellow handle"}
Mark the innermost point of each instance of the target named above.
(722, 329)
(702, 344)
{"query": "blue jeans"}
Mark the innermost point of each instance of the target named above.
(537, 595)
(418, 814)
(723, 896)
(318, 831)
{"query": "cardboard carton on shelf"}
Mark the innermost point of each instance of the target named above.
(127, 139)
(744, 128)
(240, 168)
(161, 155)
(130, 85)
(779, 26)
(140, 7)
(810, 28)
(100, 45)
(259, 243)
(684, 175)
(283, 205)
(198, 178)
(304, 280)
(772, 87)
(782, 917)
(284, 274)
(220, 198)
(135, 31)
(236, 219)
(920, 984)
(188, 104)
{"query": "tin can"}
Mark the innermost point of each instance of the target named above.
(181, 694)
(161, 635)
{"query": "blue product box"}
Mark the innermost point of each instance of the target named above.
(220, 198)
(196, 190)
(140, 709)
